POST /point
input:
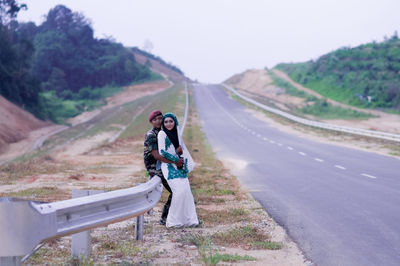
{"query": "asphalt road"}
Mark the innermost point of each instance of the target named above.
(342, 206)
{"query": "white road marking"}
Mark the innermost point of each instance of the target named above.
(340, 167)
(302, 153)
(272, 141)
(279, 144)
(258, 135)
(290, 148)
(370, 176)
(265, 139)
(319, 160)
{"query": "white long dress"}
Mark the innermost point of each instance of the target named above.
(182, 211)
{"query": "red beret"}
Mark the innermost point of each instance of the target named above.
(154, 114)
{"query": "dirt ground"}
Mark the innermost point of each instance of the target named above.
(89, 164)
(15, 124)
(33, 130)
(257, 81)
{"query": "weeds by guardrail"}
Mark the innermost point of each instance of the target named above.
(25, 225)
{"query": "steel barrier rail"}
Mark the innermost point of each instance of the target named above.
(25, 224)
(356, 131)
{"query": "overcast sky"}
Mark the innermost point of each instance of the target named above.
(211, 40)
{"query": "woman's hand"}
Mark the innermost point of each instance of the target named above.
(179, 150)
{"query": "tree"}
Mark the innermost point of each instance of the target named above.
(9, 10)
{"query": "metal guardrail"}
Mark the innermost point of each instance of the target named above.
(25, 224)
(356, 131)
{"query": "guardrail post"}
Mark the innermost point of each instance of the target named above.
(139, 228)
(10, 261)
(80, 244)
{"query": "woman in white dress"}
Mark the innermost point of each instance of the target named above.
(182, 211)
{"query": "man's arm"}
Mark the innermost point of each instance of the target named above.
(158, 157)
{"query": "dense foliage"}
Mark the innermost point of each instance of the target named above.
(367, 75)
(58, 59)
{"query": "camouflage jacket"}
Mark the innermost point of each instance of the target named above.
(150, 144)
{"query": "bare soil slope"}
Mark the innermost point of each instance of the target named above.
(21, 130)
(16, 123)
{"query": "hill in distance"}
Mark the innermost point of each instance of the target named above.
(365, 76)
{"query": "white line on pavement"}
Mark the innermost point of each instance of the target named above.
(370, 176)
(290, 148)
(319, 160)
(340, 167)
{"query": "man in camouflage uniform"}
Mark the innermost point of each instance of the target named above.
(152, 159)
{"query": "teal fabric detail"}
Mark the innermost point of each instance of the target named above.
(169, 156)
(176, 173)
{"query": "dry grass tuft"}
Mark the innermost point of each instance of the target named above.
(46, 194)
(212, 217)
(45, 165)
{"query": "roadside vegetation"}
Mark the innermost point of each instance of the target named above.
(234, 225)
(372, 144)
(364, 76)
(132, 115)
(316, 107)
(57, 69)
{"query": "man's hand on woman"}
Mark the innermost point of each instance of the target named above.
(180, 163)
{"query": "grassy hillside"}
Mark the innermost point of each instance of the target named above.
(365, 76)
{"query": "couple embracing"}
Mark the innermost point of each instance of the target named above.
(166, 156)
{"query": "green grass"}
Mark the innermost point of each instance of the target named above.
(289, 88)
(315, 107)
(217, 257)
(248, 235)
(38, 194)
(267, 245)
(210, 258)
(214, 190)
(322, 109)
(70, 104)
(326, 90)
(166, 101)
(153, 77)
(215, 217)
(239, 235)
(207, 251)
